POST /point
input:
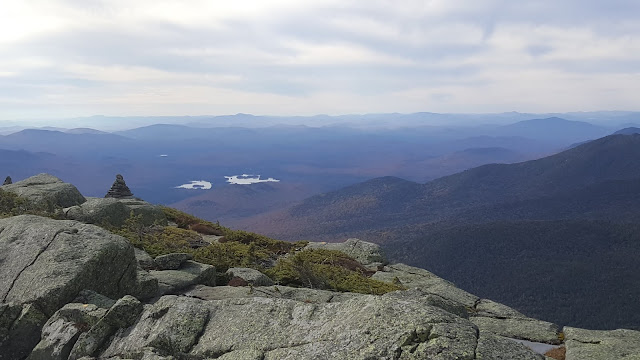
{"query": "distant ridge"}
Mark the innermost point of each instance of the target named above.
(387, 202)
(553, 128)
(628, 131)
(85, 131)
(553, 237)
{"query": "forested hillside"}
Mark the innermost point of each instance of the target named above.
(553, 237)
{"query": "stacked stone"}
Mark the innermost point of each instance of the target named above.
(7, 181)
(119, 189)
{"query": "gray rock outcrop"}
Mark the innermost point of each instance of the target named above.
(519, 328)
(490, 317)
(358, 327)
(7, 181)
(502, 320)
(600, 344)
(114, 212)
(251, 276)
(92, 297)
(20, 326)
(309, 296)
(62, 330)
(145, 261)
(418, 294)
(79, 330)
(190, 273)
(171, 261)
(45, 264)
(45, 190)
(122, 314)
(494, 347)
(99, 211)
(413, 277)
(365, 327)
(150, 213)
(119, 189)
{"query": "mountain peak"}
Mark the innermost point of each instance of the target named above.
(628, 131)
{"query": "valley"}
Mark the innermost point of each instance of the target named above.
(555, 237)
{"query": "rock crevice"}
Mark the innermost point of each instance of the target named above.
(35, 258)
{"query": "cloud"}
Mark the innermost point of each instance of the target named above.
(64, 58)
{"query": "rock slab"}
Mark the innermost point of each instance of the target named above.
(365, 327)
(47, 262)
(251, 276)
(602, 344)
(171, 261)
(44, 190)
(115, 211)
(189, 274)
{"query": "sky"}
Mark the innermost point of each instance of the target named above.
(69, 58)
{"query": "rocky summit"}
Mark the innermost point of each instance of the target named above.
(70, 289)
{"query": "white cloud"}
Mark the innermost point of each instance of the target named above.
(339, 54)
(82, 57)
(146, 75)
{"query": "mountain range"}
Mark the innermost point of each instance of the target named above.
(159, 157)
(567, 222)
(390, 201)
(546, 226)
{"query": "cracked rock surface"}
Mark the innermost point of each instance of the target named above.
(375, 327)
(48, 262)
(281, 292)
(413, 277)
(45, 264)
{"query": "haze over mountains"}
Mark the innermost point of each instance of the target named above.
(384, 120)
(334, 152)
(486, 206)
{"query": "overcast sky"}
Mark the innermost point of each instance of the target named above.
(66, 58)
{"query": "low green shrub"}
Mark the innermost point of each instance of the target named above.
(185, 221)
(240, 248)
(233, 254)
(319, 268)
(327, 269)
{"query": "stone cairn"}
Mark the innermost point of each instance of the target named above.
(7, 181)
(119, 189)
